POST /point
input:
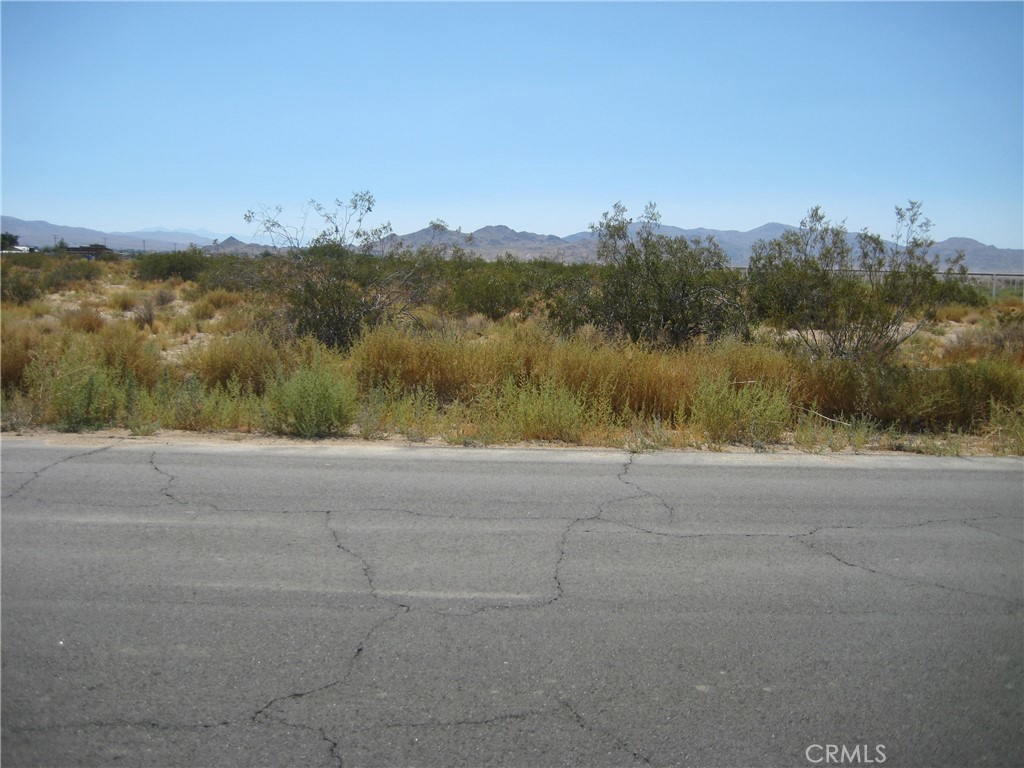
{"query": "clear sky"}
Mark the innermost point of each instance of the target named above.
(539, 116)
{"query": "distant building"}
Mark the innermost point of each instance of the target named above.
(91, 251)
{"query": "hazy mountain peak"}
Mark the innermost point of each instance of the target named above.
(490, 242)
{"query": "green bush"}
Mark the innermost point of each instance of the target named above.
(186, 265)
(78, 392)
(311, 402)
(240, 274)
(20, 285)
(668, 290)
(333, 300)
(855, 303)
(63, 272)
(727, 412)
(529, 410)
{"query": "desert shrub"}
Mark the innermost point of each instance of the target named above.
(77, 392)
(727, 412)
(955, 312)
(65, 271)
(239, 274)
(249, 356)
(333, 301)
(33, 260)
(310, 402)
(572, 302)
(18, 340)
(662, 289)
(1005, 429)
(85, 320)
(492, 289)
(399, 357)
(844, 304)
(1004, 340)
(958, 396)
(973, 390)
(145, 314)
(207, 305)
(129, 353)
(513, 411)
(183, 401)
(19, 285)
(955, 288)
(185, 265)
(124, 301)
(164, 296)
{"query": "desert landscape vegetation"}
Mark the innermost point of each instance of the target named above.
(827, 342)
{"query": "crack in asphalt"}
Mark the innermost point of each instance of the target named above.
(272, 710)
(37, 472)
(564, 706)
(970, 520)
(400, 608)
(643, 492)
(820, 549)
(118, 723)
(459, 723)
(167, 493)
(264, 713)
(619, 742)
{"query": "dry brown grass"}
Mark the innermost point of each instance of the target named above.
(249, 357)
(83, 319)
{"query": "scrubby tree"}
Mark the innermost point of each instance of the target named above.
(8, 241)
(856, 298)
(662, 289)
(340, 229)
(340, 279)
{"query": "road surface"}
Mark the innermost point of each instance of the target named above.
(364, 605)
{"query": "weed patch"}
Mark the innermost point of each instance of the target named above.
(310, 403)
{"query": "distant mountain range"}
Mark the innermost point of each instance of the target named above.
(488, 242)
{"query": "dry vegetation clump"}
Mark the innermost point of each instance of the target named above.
(223, 355)
(249, 357)
(125, 301)
(130, 353)
(83, 319)
(19, 337)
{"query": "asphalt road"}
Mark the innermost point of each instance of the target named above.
(202, 605)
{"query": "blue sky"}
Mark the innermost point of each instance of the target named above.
(540, 116)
